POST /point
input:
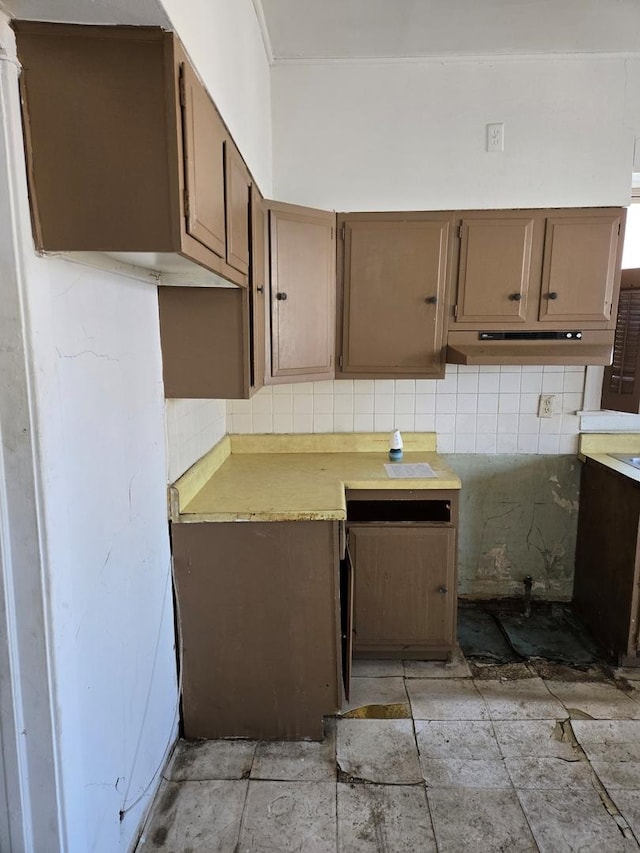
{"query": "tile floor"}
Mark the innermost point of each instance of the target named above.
(513, 758)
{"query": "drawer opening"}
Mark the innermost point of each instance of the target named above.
(400, 510)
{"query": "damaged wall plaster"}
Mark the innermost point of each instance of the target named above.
(518, 516)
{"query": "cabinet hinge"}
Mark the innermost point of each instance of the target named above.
(186, 203)
(343, 231)
(619, 226)
(459, 231)
(182, 88)
(340, 360)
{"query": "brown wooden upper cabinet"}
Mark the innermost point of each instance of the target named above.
(213, 338)
(302, 253)
(125, 150)
(528, 273)
(392, 285)
(533, 268)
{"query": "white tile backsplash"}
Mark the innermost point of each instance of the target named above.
(486, 409)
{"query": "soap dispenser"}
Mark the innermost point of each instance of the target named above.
(395, 446)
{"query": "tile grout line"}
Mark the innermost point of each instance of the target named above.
(246, 797)
(424, 781)
(513, 787)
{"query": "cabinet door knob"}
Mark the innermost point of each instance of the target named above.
(443, 589)
(260, 288)
(515, 297)
(553, 295)
(281, 296)
(431, 300)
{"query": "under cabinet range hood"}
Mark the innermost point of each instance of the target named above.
(570, 347)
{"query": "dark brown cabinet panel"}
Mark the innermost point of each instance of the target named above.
(260, 627)
(393, 284)
(302, 251)
(580, 269)
(495, 269)
(404, 588)
(125, 150)
(205, 342)
(607, 574)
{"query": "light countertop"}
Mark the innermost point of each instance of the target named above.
(599, 446)
(285, 478)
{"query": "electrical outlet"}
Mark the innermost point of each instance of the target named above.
(545, 405)
(495, 137)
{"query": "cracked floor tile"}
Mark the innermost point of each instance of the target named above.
(597, 701)
(200, 816)
(382, 751)
(536, 738)
(446, 699)
(393, 818)
(574, 821)
(525, 699)
(289, 817)
(296, 760)
(211, 759)
(468, 739)
(491, 821)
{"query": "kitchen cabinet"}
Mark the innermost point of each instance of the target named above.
(404, 562)
(126, 152)
(392, 286)
(302, 293)
(213, 338)
(259, 617)
(607, 572)
(536, 286)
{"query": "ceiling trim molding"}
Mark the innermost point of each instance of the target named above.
(264, 30)
(439, 59)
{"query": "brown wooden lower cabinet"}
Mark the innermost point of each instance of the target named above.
(404, 561)
(259, 615)
(266, 610)
(608, 559)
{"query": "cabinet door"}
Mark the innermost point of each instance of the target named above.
(580, 268)
(302, 248)
(204, 136)
(494, 270)
(237, 184)
(394, 284)
(257, 284)
(405, 592)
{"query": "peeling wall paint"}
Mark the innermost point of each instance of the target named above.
(518, 516)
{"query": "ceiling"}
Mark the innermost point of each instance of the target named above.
(364, 29)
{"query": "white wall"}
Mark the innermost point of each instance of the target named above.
(411, 135)
(100, 404)
(100, 566)
(223, 39)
